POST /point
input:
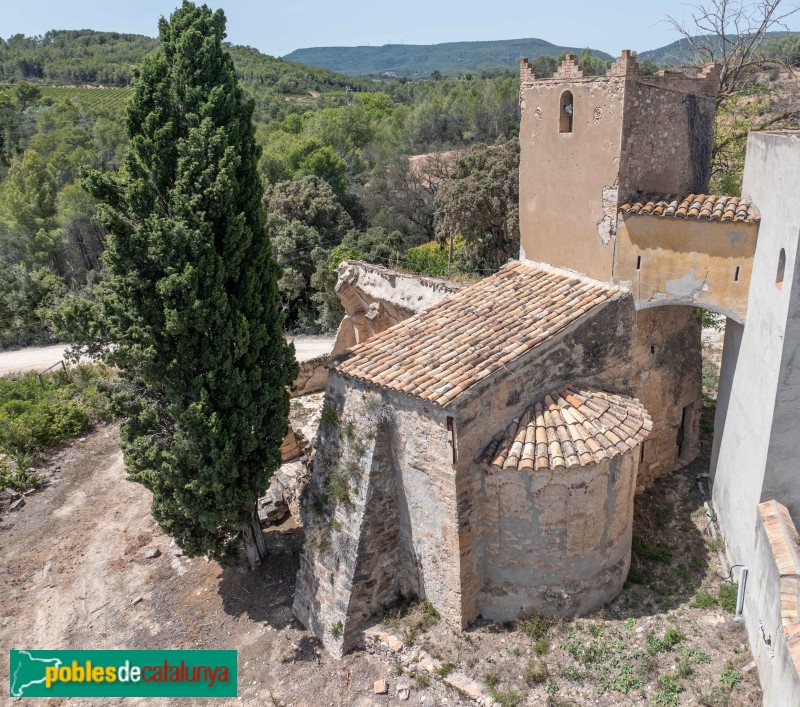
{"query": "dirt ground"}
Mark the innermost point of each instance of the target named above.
(74, 575)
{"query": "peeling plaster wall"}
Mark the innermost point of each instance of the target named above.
(685, 261)
(630, 133)
(567, 181)
(556, 542)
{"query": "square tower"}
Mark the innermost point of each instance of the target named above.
(587, 142)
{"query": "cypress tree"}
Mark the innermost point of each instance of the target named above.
(193, 294)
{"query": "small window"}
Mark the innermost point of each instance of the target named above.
(565, 112)
(638, 262)
(451, 441)
(781, 268)
(736, 274)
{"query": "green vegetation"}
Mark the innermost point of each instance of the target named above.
(412, 60)
(194, 310)
(39, 413)
(728, 592)
(669, 691)
(445, 669)
(535, 671)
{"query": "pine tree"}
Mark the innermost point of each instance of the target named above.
(194, 296)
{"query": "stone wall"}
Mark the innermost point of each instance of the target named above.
(667, 134)
(653, 355)
(555, 542)
(381, 513)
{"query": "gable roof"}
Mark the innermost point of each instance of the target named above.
(693, 206)
(442, 352)
(570, 426)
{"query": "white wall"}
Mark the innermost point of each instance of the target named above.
(760, 392)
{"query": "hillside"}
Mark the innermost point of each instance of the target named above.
(81, 57)
(414, 60)
(680, 52)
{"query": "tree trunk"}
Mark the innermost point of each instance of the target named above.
(254, 546)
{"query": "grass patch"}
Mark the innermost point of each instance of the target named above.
(537, 627)
(727, 596)
(506, 698)
(655, 552)
(535, 672)
(672, 637)
(422, 680)
(445, 669)
(669, 691)
(704, 600)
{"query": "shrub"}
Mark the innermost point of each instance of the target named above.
(535, 672)
(36, 415)
(428, 259)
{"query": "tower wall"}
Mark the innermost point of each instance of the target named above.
(629, 133)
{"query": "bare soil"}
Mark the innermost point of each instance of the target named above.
(73, 575)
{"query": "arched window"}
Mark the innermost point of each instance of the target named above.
(781, 268)
(565, 112)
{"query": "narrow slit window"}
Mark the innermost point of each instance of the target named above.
(781, 269)
(736, 274)
(638, 262)
(451, 441)
(566, 110)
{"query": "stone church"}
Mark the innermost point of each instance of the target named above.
(484, 453)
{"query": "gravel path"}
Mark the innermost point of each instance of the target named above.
(38, 358)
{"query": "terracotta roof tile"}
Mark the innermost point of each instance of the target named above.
(709, 207)
(442, 352)
(611, 425)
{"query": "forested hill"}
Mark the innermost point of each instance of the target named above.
(416, 60)
(681, 52)
(79, 57)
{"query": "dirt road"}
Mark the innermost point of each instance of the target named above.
(73, 574)
(37, 358)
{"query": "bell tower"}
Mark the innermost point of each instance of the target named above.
(587, 142)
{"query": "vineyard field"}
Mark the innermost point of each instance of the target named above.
(91, 97)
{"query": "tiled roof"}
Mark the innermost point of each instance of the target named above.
(697, 206)
(440, 353)
(570, 426)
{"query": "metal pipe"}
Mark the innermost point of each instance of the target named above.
(740, 593)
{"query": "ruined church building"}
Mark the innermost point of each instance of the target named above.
(485, 453)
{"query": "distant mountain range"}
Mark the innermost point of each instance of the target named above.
(414, 60)
(681, 52)
(420, 60)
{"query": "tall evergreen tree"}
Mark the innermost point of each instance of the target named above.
(194, 296)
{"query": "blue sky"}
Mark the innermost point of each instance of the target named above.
(279, 27)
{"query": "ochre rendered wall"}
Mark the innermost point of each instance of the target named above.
(565, 217)
(701, 263)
